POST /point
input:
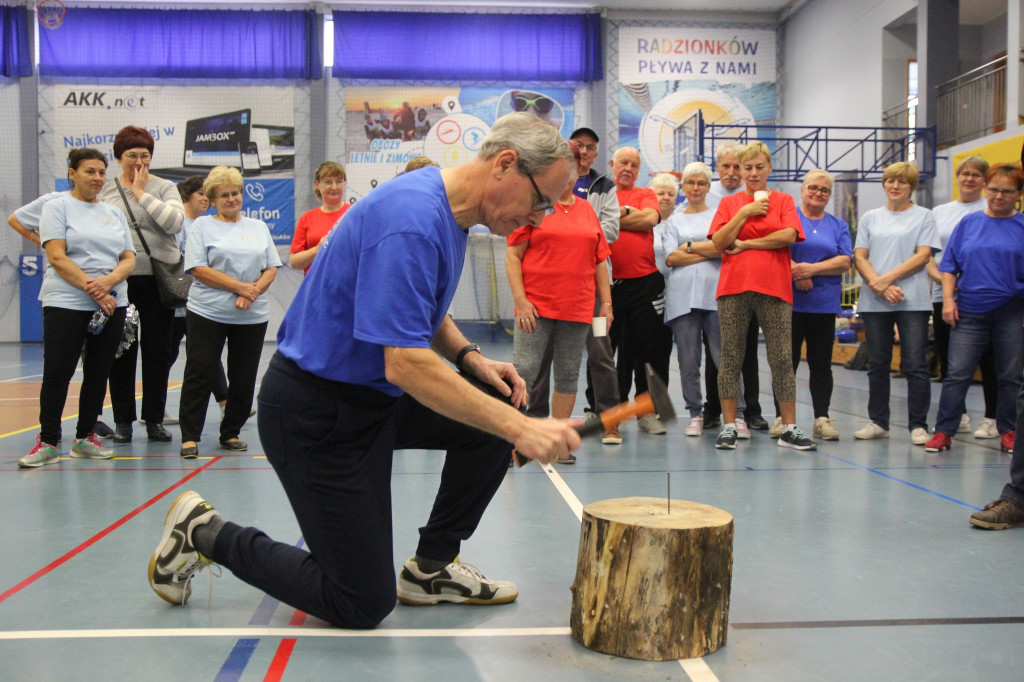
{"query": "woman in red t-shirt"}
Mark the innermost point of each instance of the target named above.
(553, 270)
(753, 230)
(313, 226)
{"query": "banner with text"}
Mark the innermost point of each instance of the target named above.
(194, 129)
(668, 74)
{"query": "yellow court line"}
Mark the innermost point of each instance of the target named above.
(170, 387)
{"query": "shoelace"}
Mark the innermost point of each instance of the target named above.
(39, 445)
(797, 433)
(91, 438)
(470, 570)
(195, 569)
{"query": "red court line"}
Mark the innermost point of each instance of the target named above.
(102, 534)
(280, 662)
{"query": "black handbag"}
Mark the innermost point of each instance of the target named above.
(172, 282)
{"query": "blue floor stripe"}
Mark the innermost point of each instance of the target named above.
(900, 480)
(239, 657)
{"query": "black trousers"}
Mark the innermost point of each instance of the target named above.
(203, 347)
(987, 364)
(639, 333)
(751, 380)
(220, 381)
(65, 331)
(819, 331)
(331, 445)
(156, 333)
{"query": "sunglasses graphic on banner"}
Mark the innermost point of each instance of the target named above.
(522, 101)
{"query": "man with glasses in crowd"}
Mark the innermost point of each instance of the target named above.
(602, 383)
(360, 372)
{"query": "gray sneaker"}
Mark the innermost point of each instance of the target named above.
(176, 560)
(797, 440)
(41, 455)
(726, 438)
(457, 582)
(999, 515)
(90, 448)
(651, 424)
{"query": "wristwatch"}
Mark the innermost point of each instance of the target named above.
(689, 247)
(464, 352)
(627, 210)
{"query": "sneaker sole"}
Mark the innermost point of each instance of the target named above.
(414, 599)
(988, 525)
(986, 436)
(41, 463)
(81, 455)
(612, 440)
(783, 444)
(939, 449)
(169, 525)
(881, 435)
(693, 434)
(725, 446)
(824, 437)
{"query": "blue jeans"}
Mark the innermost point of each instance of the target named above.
(687, 330)
(967, 341)
(913, 327)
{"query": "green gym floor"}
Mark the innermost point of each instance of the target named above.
(855, 562)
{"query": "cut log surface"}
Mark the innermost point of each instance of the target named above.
(651, 584)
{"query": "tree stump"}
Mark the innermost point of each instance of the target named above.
(650, 584)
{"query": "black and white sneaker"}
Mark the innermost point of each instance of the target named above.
(176, 560)
(797, 440)
(457, 582)
(726, 438)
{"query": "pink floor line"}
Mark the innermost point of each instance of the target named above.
(102, 534)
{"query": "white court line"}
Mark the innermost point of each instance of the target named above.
(288, 633)
(695, 668)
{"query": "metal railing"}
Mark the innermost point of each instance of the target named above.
(903, 115)
(973, 104)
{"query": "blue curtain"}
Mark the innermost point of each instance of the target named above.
(15, 48)
(467, 47)
(116, 43)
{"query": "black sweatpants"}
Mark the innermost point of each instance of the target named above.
(331, 445)
(638, 333)
(64, 333)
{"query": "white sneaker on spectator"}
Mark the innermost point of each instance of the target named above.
(742, 431)
(776, 429)
(824, 429)
(987, 429)
(695, 427)
(870, 431)
(919, 436)
(651, 424)
(965, 424)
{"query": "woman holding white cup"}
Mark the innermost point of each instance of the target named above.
(554, 270)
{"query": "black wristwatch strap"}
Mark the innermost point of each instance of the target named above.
(464, 352)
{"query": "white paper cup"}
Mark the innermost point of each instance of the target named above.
(760, 194)
(600, 326)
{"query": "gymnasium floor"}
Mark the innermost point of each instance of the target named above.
(852, 563)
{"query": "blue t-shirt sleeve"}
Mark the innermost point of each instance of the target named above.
(195, 248)
(670, 237)
(950, 255)
(843, 238)
(53, 223)
(399, 276)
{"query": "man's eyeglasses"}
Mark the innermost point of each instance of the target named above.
(992, 191)
(825, 191)
(144, 156)
(543, 205)
(520, 102)
(592, 148)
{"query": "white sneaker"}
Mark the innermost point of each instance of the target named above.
(965, 424)
(742, 431)
(824, 429)
(776, 429)
(870, 431)
(695, 427)
(919, 436)
(651, 424)
(987, 429)
(457, 582)
(176, 560)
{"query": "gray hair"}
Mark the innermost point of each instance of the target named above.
(666, 180)
(820, 173)
(697, 168)
(976, 162)
(538, 144)
(727, 148)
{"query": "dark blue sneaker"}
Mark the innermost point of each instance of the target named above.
(726, 438)
(797, 440)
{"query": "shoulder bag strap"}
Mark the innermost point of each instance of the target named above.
(135, 223)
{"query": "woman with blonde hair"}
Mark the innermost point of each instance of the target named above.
(894, 244)
(233, 260)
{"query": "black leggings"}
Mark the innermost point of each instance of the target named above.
(65, 331)
(639, 333)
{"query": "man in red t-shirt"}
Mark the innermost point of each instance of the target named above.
(638, 289)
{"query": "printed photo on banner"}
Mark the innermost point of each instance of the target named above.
(667, 75)
(194, 129)
(387, 126)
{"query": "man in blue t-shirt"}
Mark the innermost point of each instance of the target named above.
(360, 372)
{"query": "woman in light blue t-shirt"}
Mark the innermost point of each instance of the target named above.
(84, 295)
(894, 244)
(233, 260)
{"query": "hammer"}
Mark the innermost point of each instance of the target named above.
(655, 400)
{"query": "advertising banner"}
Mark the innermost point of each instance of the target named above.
(667, 74)
(194, 129)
